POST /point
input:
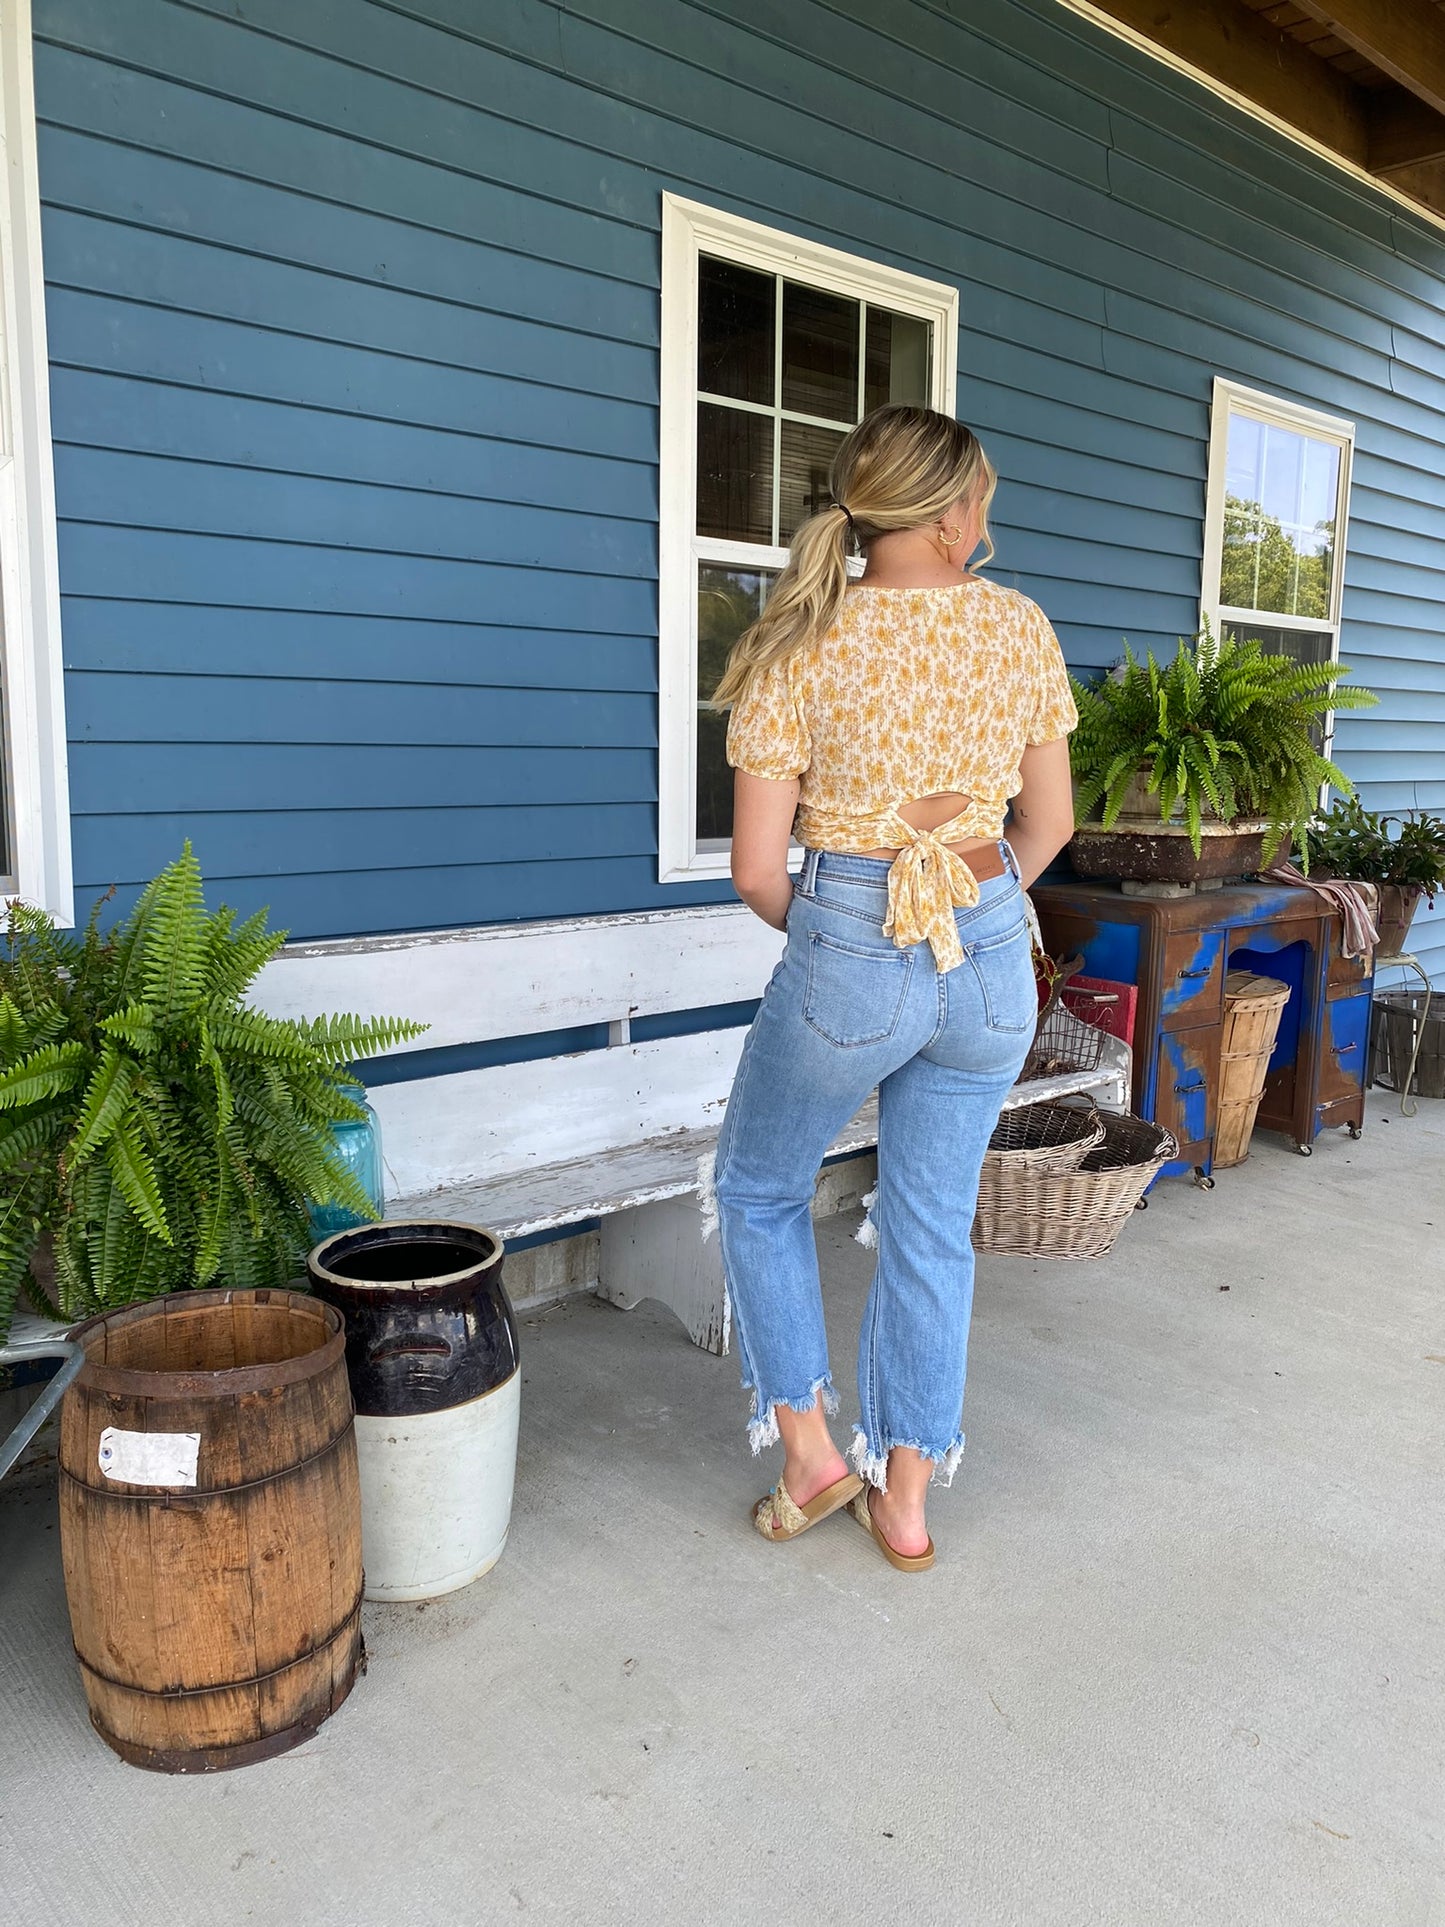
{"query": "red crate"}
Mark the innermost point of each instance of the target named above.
(1107, 1005)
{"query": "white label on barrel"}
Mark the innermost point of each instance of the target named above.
(149, 1458)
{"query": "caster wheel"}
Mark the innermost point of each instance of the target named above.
(1204, 1181)
(1356, 1133)
(1305, 1150)
(1142, 1205)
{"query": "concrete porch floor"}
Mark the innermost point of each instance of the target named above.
(1180, 1660)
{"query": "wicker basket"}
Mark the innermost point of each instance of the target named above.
(1253, 1007)
(1047, 1137)
(1028, 1212)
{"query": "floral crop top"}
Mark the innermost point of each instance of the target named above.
(911, 693)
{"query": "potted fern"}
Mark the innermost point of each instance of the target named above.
(155, 1131)
(1202, 767)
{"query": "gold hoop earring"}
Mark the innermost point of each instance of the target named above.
(948, 540)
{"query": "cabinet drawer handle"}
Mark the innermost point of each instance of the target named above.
(1207, 972)
(1185, 1089)
(1343, 1050)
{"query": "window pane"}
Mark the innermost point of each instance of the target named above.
(898, 358)
(1282, 568)
(1279, 519)
(807, 456)
(727, 601)
(820, 353)
(734, 474)
(1300, 645)
(736, 346)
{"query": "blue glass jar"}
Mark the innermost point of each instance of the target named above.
(358, 1145)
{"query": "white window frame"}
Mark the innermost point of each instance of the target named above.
(689, 229)
(34, 753)
(1232, 399)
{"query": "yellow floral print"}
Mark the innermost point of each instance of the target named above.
(911, 693)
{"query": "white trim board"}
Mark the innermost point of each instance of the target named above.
(513, 980)
(35, 751)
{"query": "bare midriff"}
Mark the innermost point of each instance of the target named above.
(926, 814)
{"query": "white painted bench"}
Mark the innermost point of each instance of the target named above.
(623, 1134)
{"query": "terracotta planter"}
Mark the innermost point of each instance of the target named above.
(1396, 912)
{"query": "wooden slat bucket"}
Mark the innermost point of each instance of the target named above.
(1253, 1007)
(211, 1526)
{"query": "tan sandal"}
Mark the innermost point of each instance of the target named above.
(776, 1515)
(901, 1561)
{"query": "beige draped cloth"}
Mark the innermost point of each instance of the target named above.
(1357, 904)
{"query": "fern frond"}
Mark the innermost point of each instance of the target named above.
(173, 942)
(134, 1025)
(136, 1177)
(44, 1073)
(106, 1099)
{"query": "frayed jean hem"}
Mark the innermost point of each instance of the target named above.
(763, 1425)
(872, 1466)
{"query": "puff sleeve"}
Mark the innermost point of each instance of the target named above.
(1055, 713)
(767, 728)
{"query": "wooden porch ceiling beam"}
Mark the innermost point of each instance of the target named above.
(1425, 183)
(1242, 50)
(1401, 37)
(1403, 133)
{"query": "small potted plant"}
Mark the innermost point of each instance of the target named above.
(1202, 767)
(156, 1131)
(1357, 845)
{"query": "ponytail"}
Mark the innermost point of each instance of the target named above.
(806, 599)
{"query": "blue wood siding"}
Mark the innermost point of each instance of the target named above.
(354, 326)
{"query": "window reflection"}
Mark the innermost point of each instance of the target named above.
(1281, 501)
(727, 601)
(734, 474)
(820, 353)
(897, 360)
(735, 344)
(806, 458)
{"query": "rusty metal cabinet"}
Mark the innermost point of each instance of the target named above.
(1179, 952)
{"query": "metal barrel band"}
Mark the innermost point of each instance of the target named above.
(191, 1495)
(224, 1685)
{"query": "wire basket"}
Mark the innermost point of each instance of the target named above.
(1030, 1211)
(1064, 1042)
(1049, 1137)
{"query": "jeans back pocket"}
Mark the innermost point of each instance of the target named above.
(854, 994)
(1004, 968)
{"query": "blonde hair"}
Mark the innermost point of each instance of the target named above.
(900, 467)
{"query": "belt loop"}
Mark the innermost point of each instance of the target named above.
(1009, 858)
(808, 875)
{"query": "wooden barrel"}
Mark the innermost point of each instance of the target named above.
(1253, 1007)
(211, 1526)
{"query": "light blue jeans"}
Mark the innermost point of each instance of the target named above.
(846, 1010)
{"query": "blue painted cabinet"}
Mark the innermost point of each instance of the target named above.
(1179, 954)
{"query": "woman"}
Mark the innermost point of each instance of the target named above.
(895, 718)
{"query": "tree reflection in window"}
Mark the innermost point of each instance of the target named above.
(1269, 566)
